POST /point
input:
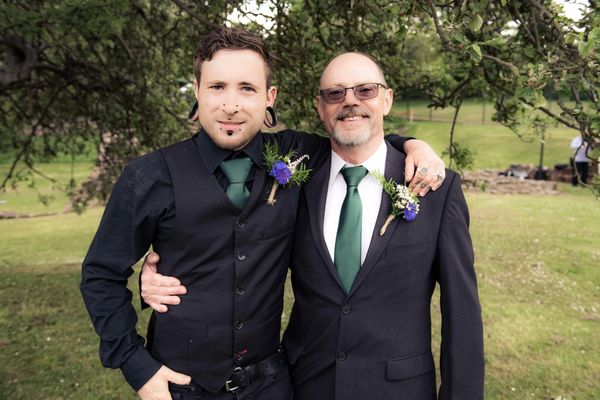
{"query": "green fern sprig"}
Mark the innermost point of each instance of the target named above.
(389, 186)
(271, 154)
(301, 175)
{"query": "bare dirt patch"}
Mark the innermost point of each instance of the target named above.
(492, 182)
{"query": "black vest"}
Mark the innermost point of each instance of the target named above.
(234, 265)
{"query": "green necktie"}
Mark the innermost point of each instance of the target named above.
(347, 241)
(236, 171)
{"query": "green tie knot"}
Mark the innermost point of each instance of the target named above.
(236, 171)
(353, 175)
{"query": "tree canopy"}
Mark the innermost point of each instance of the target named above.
(112, 76)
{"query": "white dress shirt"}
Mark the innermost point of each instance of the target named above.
(369, 190)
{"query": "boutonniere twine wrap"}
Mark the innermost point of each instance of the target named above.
(404, 202)
(285, 170)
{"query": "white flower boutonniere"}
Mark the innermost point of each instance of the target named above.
(403, 200)
(285, 170)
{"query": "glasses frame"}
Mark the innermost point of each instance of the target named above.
(323, 92)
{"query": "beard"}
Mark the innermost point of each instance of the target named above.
(353, 137)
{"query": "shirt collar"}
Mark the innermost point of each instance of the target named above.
(374, 163)
(214, 155)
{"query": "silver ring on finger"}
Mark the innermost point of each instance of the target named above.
(423, 170)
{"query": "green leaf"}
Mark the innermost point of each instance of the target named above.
(584, 48)
(571, 38)
(475, 53)
(594, 35)
(475, 23)
(459, 37)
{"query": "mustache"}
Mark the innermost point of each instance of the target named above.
(353, 112)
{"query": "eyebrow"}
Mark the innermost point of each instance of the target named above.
(247, 84)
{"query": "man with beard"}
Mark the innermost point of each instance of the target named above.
(201, 204)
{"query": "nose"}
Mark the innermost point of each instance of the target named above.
(230, 104)
(230, 108)
(350, 98)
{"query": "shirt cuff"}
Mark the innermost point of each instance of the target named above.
(139, 368)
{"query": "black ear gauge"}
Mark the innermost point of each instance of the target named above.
(193, 111)
(272, 122)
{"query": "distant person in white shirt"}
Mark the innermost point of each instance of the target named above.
(580, 160)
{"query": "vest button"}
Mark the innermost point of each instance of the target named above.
(341, 356)
(240, 224)
(346, 310)
(240, 257)
(240, 291)
(238, 325)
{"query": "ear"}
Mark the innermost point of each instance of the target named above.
(320, 105)
(271, 96)
(196, 88)
(388, 101)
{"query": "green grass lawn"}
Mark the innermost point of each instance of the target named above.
(495, 145)
(26, 196)
(537, 260)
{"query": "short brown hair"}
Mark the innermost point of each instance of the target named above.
(231, 39)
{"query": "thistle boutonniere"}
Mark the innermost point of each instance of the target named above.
(285, 170)
(403, 200)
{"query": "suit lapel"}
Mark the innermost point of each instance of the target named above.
(394, 169)
(316, 195)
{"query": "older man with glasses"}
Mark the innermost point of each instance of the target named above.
(360, 327)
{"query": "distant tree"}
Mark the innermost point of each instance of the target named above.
(512, 52)
(77, 70)
(106, 72)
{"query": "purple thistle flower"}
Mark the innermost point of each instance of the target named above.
(281, 172)
(409, 212)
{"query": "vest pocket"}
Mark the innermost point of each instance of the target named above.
(278, 231)
(409, 367)
(173, 339)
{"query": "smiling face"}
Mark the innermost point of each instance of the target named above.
(354, 122)
(233, 96)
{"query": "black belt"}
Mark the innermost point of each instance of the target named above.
(244, 376)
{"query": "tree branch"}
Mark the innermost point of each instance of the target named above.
(438, 28)
(199, 18)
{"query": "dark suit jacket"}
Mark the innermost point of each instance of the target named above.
(375, 342)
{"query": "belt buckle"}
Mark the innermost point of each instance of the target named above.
(228, 387)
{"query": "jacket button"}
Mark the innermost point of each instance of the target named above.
(238, 356)
(341, 356)
(238, 325)
(240, 291)
(241, 257)
(240, 224)
(346, 310)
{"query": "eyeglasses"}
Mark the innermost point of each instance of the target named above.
(365, 91)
